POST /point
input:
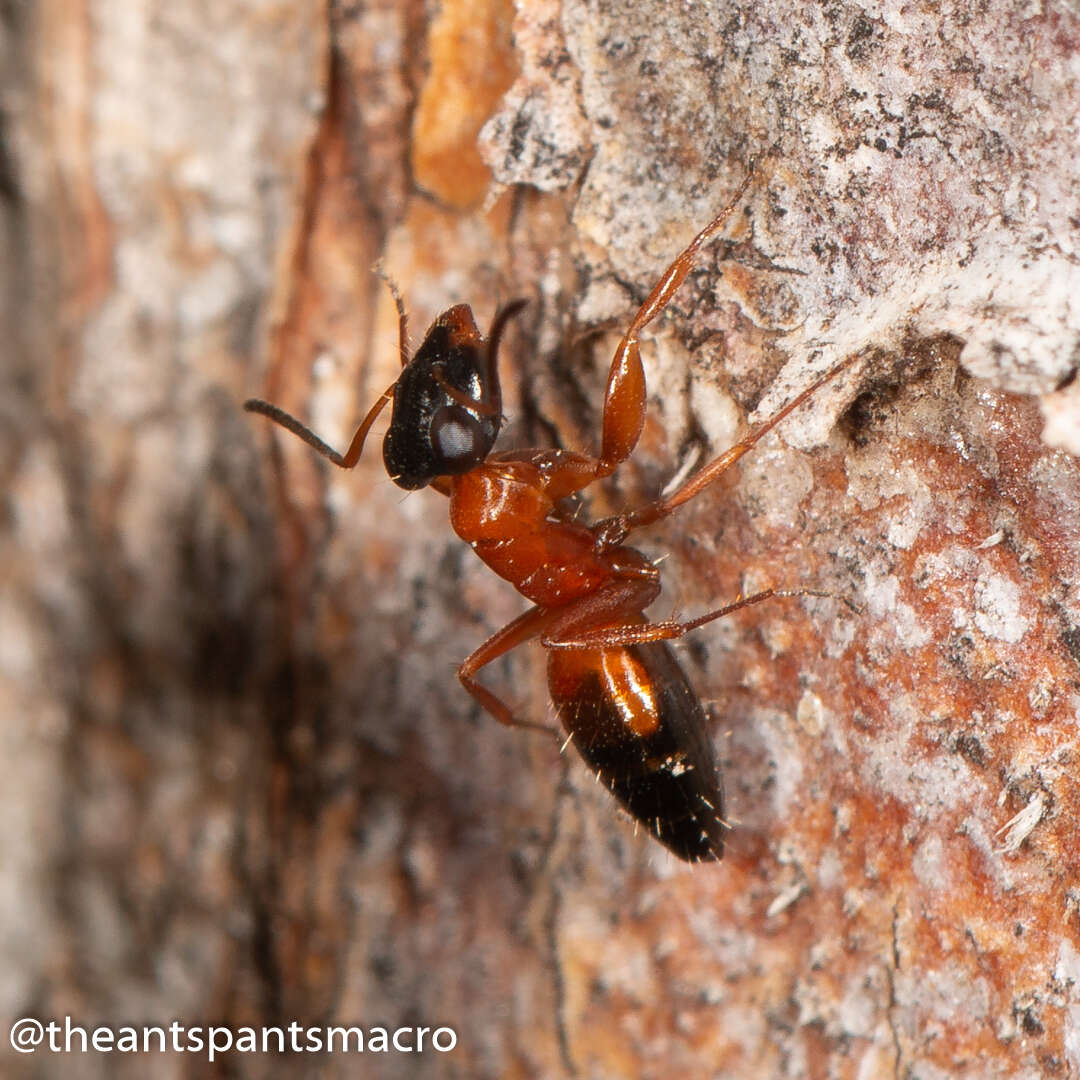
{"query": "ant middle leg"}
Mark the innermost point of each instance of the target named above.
(611, 532)
(525, 627)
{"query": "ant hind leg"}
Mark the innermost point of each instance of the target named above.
(621, 635)
(525, 627)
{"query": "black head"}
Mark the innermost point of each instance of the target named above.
(447, 402)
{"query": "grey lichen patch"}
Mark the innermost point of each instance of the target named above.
(537, 138)
(1067, 975)
(774, 483)
(997, 608)
(931, 865)
(897, 620)
(539, 135)
(874, 475)
(922, 178)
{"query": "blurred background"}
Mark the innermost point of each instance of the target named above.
(240, 783)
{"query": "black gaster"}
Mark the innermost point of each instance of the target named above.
(453, 349)
(668, 780)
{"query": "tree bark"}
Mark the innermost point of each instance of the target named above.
(242, 783)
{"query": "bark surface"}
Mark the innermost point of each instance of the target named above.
(242, 785)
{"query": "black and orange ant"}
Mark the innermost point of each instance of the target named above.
(620, 694)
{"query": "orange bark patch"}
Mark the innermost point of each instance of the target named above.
(471, 67)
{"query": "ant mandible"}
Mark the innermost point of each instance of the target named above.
(619, 692)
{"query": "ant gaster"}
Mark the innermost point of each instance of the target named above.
(618, 690)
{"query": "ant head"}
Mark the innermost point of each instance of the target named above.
(447, 402)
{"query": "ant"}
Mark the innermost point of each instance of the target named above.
(619, 692)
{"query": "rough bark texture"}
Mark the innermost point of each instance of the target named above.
(240, 782)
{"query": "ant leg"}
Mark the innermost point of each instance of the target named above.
(522, 629)
(621, 635)
(290, 423)
(613, 531)
(598, 619)
(624, 399)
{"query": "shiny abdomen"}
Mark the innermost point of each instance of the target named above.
(634, 719)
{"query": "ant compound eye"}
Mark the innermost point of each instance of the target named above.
(457, 438)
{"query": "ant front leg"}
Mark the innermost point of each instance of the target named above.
(624, 399)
